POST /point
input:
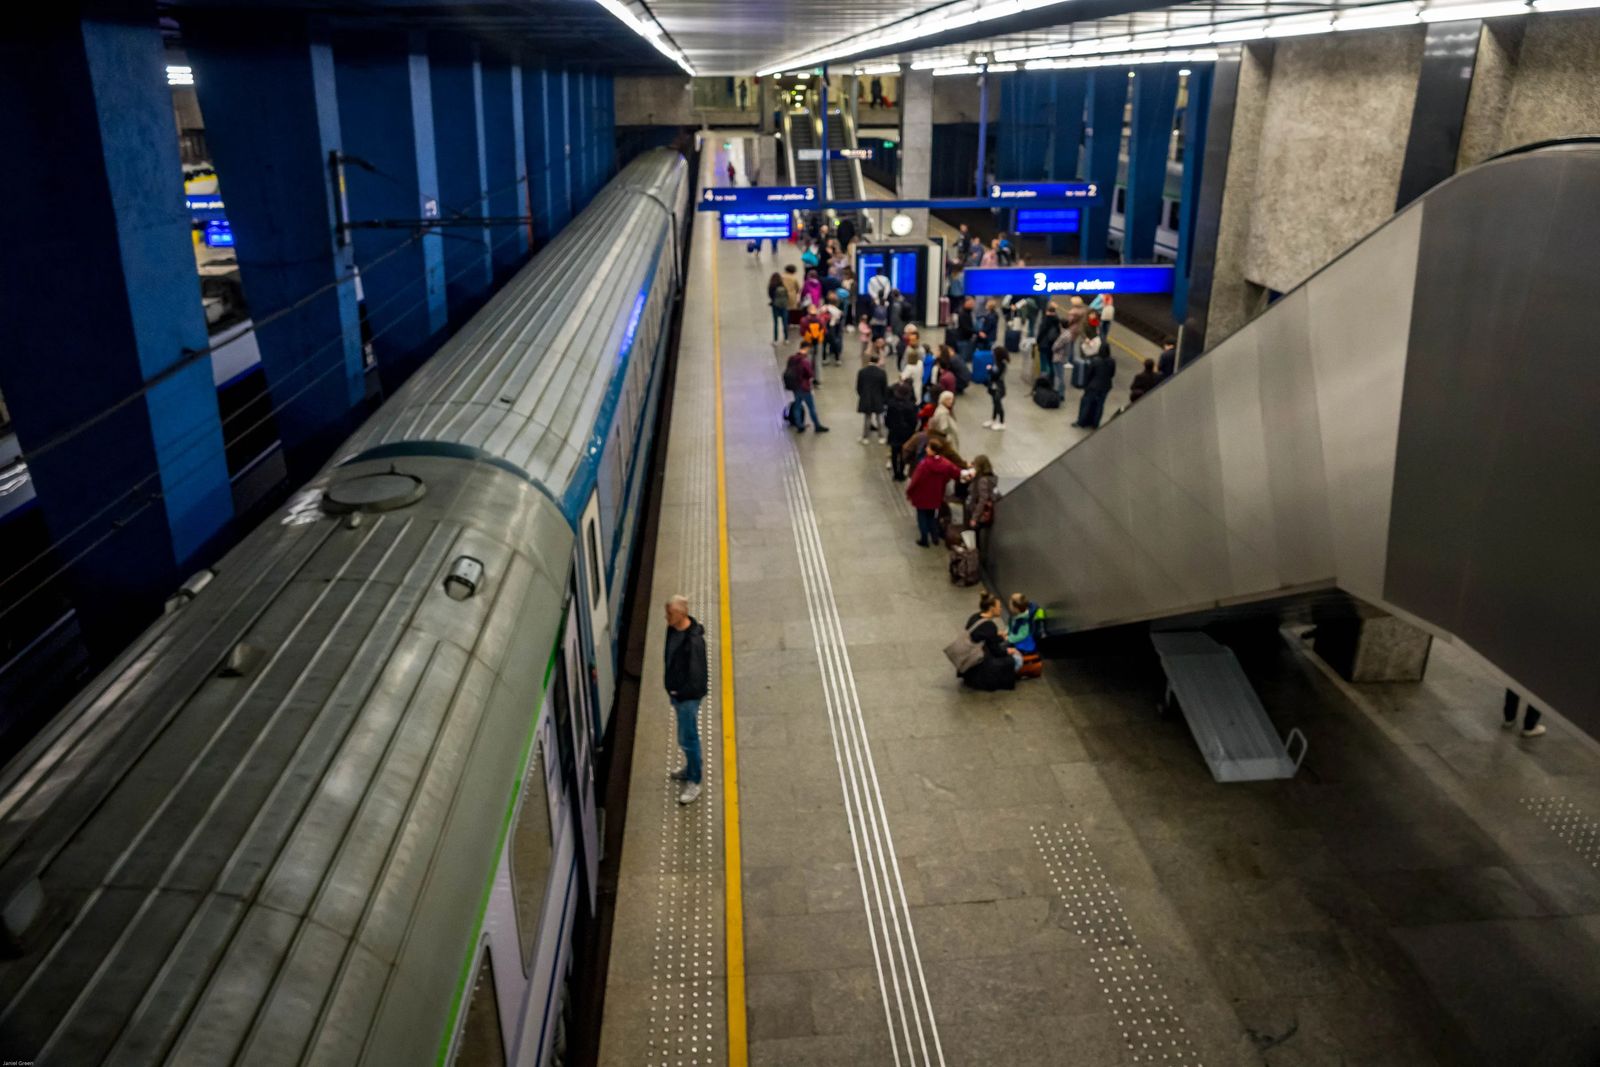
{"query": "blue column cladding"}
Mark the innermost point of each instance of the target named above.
(267, 89)
(1068, 90)
(1196, 110)
(386, 114)
(519, 161)
(561, 108)
(540, 139)
(1108, 96)
(102, 318)
(503, 168)
(1155, 99)
(456, 84)
(1023, 142)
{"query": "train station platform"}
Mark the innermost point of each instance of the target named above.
(886, 868)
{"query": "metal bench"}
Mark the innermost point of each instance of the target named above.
(1236, 738)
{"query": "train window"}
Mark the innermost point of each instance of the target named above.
(530, 855)
(1172, 214)
(481, 1044)
(1122, 200)
(595, 564)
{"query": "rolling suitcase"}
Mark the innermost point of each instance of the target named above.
(982, 366)
(1080, 373)
(1013, 340)
(944, 311)
(964, 568)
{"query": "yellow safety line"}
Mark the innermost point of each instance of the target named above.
(738, 1047)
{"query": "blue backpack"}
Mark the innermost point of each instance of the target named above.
(982, 365)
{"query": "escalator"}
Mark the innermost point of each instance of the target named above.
(844, 175)
(800, 131)
(1410, 431)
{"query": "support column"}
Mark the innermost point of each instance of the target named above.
(1155, 101)
(608, 126)
(1220, 300)
(1108, 95)
(456, 81)
(386, 114)
(541, 151)
(1196, 112)
(916, 143)
(1068, 89)
(1449, 55)
(101, 315)
(266, 86)
(1379, 649)
(1026, 106)
(561, 142)
(503, 167)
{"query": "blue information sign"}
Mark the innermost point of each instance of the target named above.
(748, 225)
(1068, 281)
(719, 198)
(203, 206)
(1044, 191)
(1048, 219)
(218, 234)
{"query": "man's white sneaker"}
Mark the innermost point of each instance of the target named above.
(888, 464)
(861, 441)
(998, 426)
(988, 423)
(882, 440)
(1535, 731)
(691, 790)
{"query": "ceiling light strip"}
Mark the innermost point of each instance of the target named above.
(650, 30)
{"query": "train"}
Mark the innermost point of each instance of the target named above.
(337, 806)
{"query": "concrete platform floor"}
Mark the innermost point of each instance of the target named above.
(936, 876)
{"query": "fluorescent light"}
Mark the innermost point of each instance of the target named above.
(649, 29)
(180, 75)
(993, 68)
(1239, 31)
(1299, 26)
(1456, 12)
(1564, 5)
(1184, 73)
(894, 68)
(803, 76)
(1372, 18)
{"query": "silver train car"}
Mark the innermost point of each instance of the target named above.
(337, 806)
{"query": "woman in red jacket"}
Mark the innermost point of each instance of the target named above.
(926, 493)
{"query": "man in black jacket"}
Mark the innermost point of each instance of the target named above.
(1049, 330)
(685, 677)
(1096, 387)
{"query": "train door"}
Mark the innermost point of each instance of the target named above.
(571, 696)
(596, 604)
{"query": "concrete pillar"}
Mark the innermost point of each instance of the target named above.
(540, 143)
(386, 115)
(1155, 101)
(1233, 153)
(1108, 95)
(1381, 649)
(767, 158)
(267, 87)
(503, 168)
(916, 143)
(456, 82)
(101, 318)
(1493, 78)
(1196, 114)
(1449, 53)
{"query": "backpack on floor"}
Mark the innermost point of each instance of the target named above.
(963, 565)
(1044, 393)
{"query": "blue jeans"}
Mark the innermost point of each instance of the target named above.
(689, 736)
(928, 526)
(803, 402)
(780, 324)
(1058, 377)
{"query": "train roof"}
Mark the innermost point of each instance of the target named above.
(530, 382)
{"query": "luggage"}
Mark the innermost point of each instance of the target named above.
(1013, 340)
(751, 246)
(964, 653)
(1080, 373)
(1044, 394)
(963, 373)
(944, 311)
(963, 565)
(982, 366)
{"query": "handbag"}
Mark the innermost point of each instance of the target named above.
(964, 653)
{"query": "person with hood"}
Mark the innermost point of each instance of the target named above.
(686, 678)
(1049, 330)
(996, 385)
(926, 493)
(778, 298)
(1144, 381)
(900, 420)
(943, 422)
(1102, 367)
(872, 396)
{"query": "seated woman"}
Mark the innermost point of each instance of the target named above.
(998, 668)
(1027, 627)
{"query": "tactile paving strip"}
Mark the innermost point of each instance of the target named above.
(686, 995)
(1568, 822)
(1128, 980)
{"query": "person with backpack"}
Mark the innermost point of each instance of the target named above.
(926, 493)
(872, 396)
(995, 667)
(1049, 330)
(878, 318)
(900, 420)
(814, 329)
(798, 375)
(1100, 368)
(778, 299)
(996, 385)
(833, 323)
